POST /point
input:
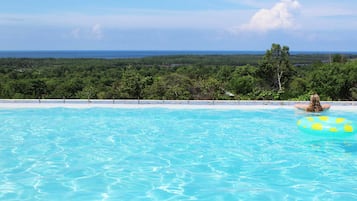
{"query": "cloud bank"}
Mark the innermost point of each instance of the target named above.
(280, 16)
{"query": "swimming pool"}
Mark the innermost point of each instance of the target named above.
(170, 154)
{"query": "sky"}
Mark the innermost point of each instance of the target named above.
(247, 25)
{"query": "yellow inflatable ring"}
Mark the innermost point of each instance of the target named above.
(326, 126)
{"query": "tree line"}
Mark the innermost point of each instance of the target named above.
(276, 75)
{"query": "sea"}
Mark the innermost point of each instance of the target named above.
(121, 54)
(113, 54)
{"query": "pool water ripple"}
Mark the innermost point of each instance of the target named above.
(170, 154)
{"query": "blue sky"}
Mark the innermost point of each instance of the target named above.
(303, 25)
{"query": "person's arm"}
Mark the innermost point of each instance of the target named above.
(301, 106)
(325, 106)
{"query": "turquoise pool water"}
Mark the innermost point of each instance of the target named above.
(171, 154)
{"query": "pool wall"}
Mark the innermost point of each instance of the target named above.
(19, 103)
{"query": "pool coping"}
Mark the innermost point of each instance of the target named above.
(130, 103)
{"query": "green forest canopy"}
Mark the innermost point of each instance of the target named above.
(277, 75)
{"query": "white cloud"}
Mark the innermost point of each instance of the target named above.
(280, 16)
(85, 32)
(97, 31)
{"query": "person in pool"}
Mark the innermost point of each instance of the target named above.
(314, 105)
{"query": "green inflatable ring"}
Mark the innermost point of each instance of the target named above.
(326, 126)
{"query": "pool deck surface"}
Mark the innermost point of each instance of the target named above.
(179, 104)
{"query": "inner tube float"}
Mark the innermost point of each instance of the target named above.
(326, 126)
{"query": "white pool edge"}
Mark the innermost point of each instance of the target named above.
(179, 104)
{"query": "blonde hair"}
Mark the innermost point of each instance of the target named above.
(315, 105)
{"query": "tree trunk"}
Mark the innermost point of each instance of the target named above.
(280, 74)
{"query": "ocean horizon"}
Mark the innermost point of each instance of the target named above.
(122, 54)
